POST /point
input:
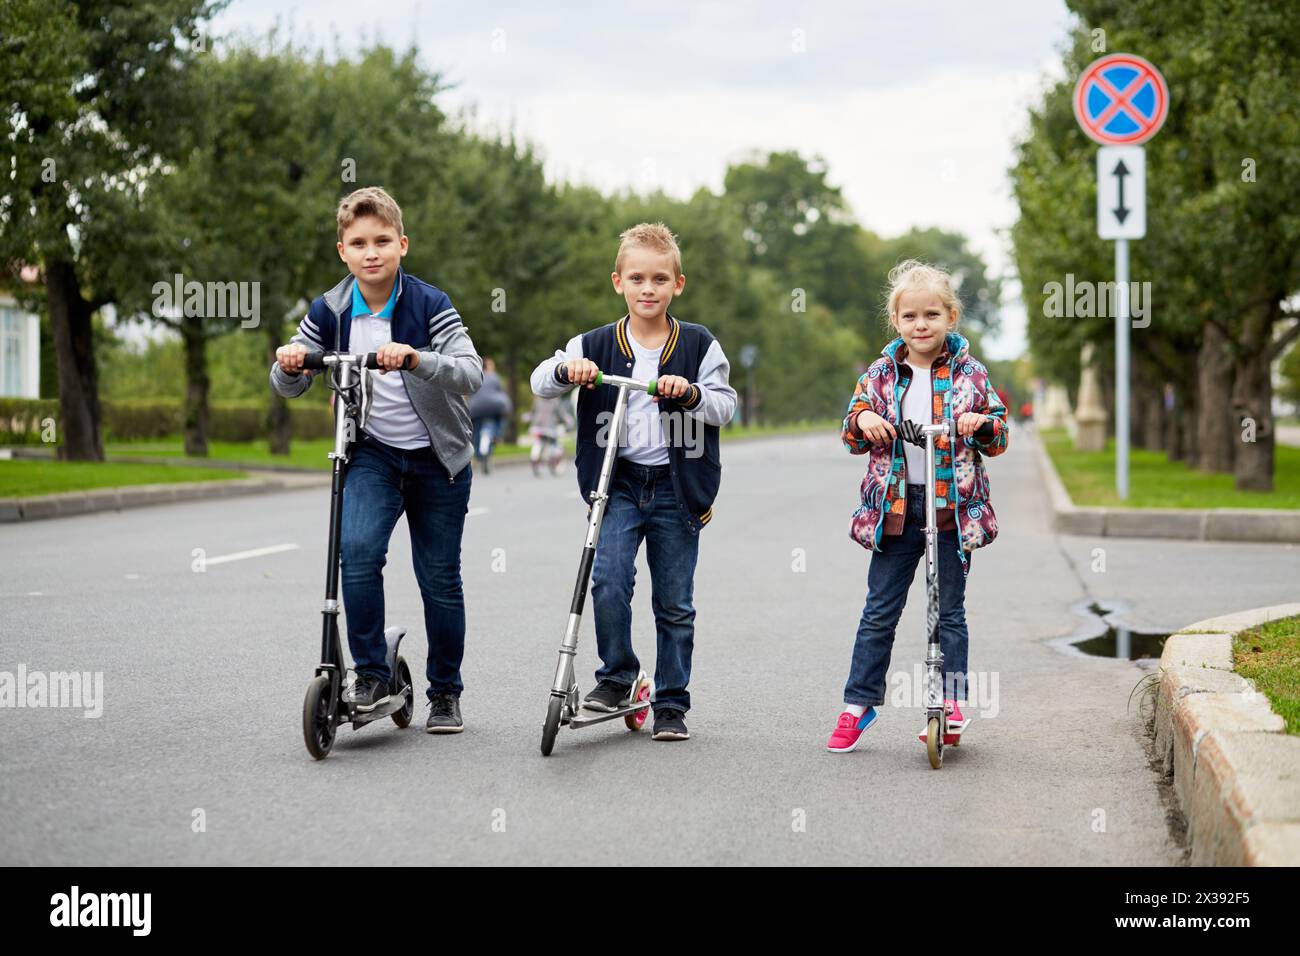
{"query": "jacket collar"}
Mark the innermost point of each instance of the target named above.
(955, 349)
(339, 298)
(625, 344)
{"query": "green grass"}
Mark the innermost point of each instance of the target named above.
(314, 453)
(24, 478)
(1156, 482)
(1269, 655)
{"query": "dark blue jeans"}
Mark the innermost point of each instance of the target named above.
(642, 505)
(892, 568)
(382, 482)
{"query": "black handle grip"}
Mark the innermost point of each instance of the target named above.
(372, 360)
(313, 360)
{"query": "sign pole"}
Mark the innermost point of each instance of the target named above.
(1121, 101)
(1121, 369)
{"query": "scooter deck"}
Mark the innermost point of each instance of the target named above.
(389, 707)
(587, 718)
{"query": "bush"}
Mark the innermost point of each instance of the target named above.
(152, 419)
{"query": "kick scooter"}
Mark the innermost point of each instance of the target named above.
(937, 732)
(325, 707)
(564, 707)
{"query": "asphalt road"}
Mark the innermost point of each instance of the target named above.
(204, 675)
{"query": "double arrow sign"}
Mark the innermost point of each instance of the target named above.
(1121, 206)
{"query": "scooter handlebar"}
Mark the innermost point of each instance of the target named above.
(912, 433)
(562, 376)
(318, 360)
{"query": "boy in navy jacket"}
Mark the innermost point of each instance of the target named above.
(412, 453)
(667, 471)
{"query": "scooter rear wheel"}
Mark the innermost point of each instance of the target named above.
(317, 728)
(552, 725)
(934, 743)
(636, 720)
(403, 674)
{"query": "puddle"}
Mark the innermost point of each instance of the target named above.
(1103, 636)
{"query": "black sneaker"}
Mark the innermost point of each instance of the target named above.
(366, 693)
(608, 696)
(670, 726)
(444, 715)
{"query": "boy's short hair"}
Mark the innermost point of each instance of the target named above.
(369, 201)
(651, 235)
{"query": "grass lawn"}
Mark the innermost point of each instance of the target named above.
(24, 478)
(1270, 656)
(1155, 482)
(313, 453)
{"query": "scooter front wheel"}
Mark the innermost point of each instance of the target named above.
(403, 686)
(934, 742)
(317, 728)
(552, 725)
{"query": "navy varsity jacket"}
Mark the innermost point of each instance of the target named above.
(690, 351)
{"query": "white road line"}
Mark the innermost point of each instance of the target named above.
(255, 553)
(476, 511)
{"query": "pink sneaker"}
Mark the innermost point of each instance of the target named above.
(848, 730)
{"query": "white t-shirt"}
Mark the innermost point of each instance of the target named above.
(916, 408)
(644, 435)
(392, 418)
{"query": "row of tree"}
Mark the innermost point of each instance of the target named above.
(145, 150)
(1222, 250)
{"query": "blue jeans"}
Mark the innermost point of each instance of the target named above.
(382, 482)
(642, 505)
(892, 568)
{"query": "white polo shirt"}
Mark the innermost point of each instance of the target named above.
(392, 418)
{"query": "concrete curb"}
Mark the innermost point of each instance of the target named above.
(1236, 772)
(72, 503)
(1271, 525)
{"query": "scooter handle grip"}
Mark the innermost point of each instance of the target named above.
(313, 360)
(372, 360)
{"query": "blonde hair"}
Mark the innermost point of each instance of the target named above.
(649, 235)
(915, 274)
(369, 201)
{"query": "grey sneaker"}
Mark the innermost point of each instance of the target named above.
(444, 715)
(608, 696)
(366, 693)
(669, 725)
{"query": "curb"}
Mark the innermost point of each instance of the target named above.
(1269, 525)
(68, 504)
(1236, 772)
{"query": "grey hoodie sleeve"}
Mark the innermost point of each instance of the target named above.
(291, 386)
(711, 398)
(543, 378)
(451, 361)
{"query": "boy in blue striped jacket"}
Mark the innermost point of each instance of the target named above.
(413, 452)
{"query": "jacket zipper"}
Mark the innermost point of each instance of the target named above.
(338, 347)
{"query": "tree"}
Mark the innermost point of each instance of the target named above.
(92, 100)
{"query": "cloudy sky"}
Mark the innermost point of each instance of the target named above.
(915, 106)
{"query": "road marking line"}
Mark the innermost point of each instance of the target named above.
(476, 511)
(255, 553)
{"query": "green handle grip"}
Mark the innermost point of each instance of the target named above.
(653, 385)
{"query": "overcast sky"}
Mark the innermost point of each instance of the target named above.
(915, 106)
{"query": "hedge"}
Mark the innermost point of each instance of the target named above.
(20, 420)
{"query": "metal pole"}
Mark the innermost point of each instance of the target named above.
(1121, 369)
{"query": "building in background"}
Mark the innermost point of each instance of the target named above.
(20, 351)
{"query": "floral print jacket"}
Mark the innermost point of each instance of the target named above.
(960, 384)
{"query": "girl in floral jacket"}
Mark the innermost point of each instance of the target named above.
(927, 376)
